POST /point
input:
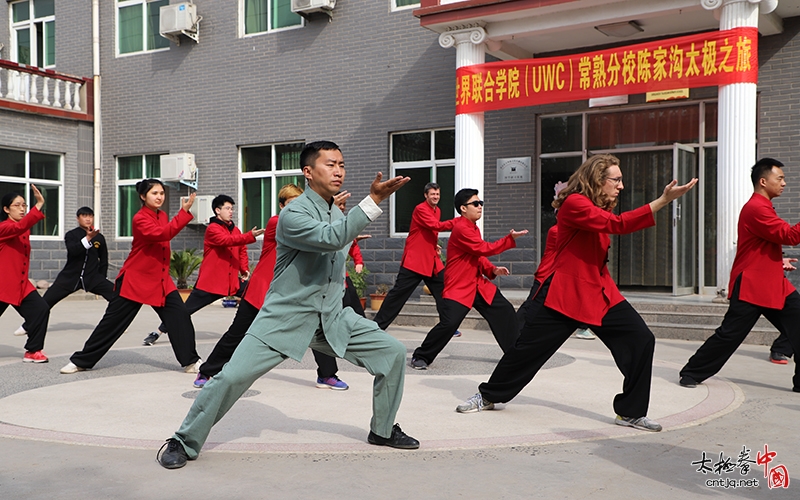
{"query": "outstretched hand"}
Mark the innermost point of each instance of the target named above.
(257, 232)
(362, 237)
(38, 196)
(787, 264)
(379, 191)
(671, 192)
(188, 201)
(91, 233)
(501, 271)
(517, 234)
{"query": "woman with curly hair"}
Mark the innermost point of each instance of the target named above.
(578, 290)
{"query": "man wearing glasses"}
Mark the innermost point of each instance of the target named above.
(467, 285)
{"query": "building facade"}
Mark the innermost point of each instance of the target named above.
(376, 77)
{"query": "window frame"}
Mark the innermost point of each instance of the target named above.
(393, 7)
(30, 24)
(27, 180)
(243, 27)
(130, 3)
(132, 182)
(432, 163)
(270, 174)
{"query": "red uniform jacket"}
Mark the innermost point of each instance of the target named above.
(355, 254)
(420, 253)
(262, 275)
(15, 254)
(224, 257)
(545, 268)
(146, 269)
(759, 258)
(582, 288)
(467, 265)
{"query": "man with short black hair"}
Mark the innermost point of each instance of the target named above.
(421, 259)
(86, 267)
(757, 283)
(466, 284)
(303, 308)
(224, 260)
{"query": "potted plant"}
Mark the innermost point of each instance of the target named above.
(359, 281)
(181, 265)
(376, 299)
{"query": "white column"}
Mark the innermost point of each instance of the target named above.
(470, 49)
(736, 139)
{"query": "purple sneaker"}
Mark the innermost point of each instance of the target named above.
(200, 381)
(332, 383)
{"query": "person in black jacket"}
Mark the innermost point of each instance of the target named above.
(86, 267)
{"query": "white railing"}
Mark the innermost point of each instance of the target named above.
(45, 89)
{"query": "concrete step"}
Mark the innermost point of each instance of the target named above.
(668, 320)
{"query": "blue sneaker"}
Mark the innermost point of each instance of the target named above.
(200, 381)
(457, 334)
(332, 383)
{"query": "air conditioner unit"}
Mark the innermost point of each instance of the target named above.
(309, 6)
(201, 209)
(177, 17)
(178, 167)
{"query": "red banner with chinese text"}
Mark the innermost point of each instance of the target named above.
(706, 59)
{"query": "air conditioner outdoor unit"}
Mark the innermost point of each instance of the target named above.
(309, 6)
(177, 19)
(178, 167)
(201, 209)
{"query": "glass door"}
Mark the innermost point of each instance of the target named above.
(684, 223)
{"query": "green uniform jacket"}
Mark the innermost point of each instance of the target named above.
(313, 238)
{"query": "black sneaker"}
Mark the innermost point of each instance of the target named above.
(151, 339)
(174, 457)
(399, 439)
(418, 364)
(778, 358)
(687, 381)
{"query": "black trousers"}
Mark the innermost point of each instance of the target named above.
(57, 293)
(623, 331)
(36, 314)
(197, 300)
(351, 299)
(222, 352)
(737, 323)
(500, 314)
(782, 345)
(404, 285)
(121, 312)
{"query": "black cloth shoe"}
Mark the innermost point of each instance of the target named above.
(687, 381)
(174, 457)
(399, 439)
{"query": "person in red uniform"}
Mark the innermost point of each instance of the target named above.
(16, 289)
(252, 300)
(224, 260)
(466, 284)
(579, 290)
(140, 282)
(421, 259)
(757, 284)
(350, 298)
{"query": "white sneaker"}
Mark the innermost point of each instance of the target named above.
(583, 333)
(20, 331)
(194, 367)
(71, 368)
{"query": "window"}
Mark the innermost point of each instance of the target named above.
(33, 33)
(130, 170)
(138, 26)
(262, 16)
(426, 156)
(403, 4)
(264, 171)
(19, 169)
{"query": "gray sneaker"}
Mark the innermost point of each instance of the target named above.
(641, 423)
(418, 364)
(473, 404)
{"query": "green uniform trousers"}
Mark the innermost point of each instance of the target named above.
(371, 348)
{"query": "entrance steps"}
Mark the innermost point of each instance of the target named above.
(693, 318)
